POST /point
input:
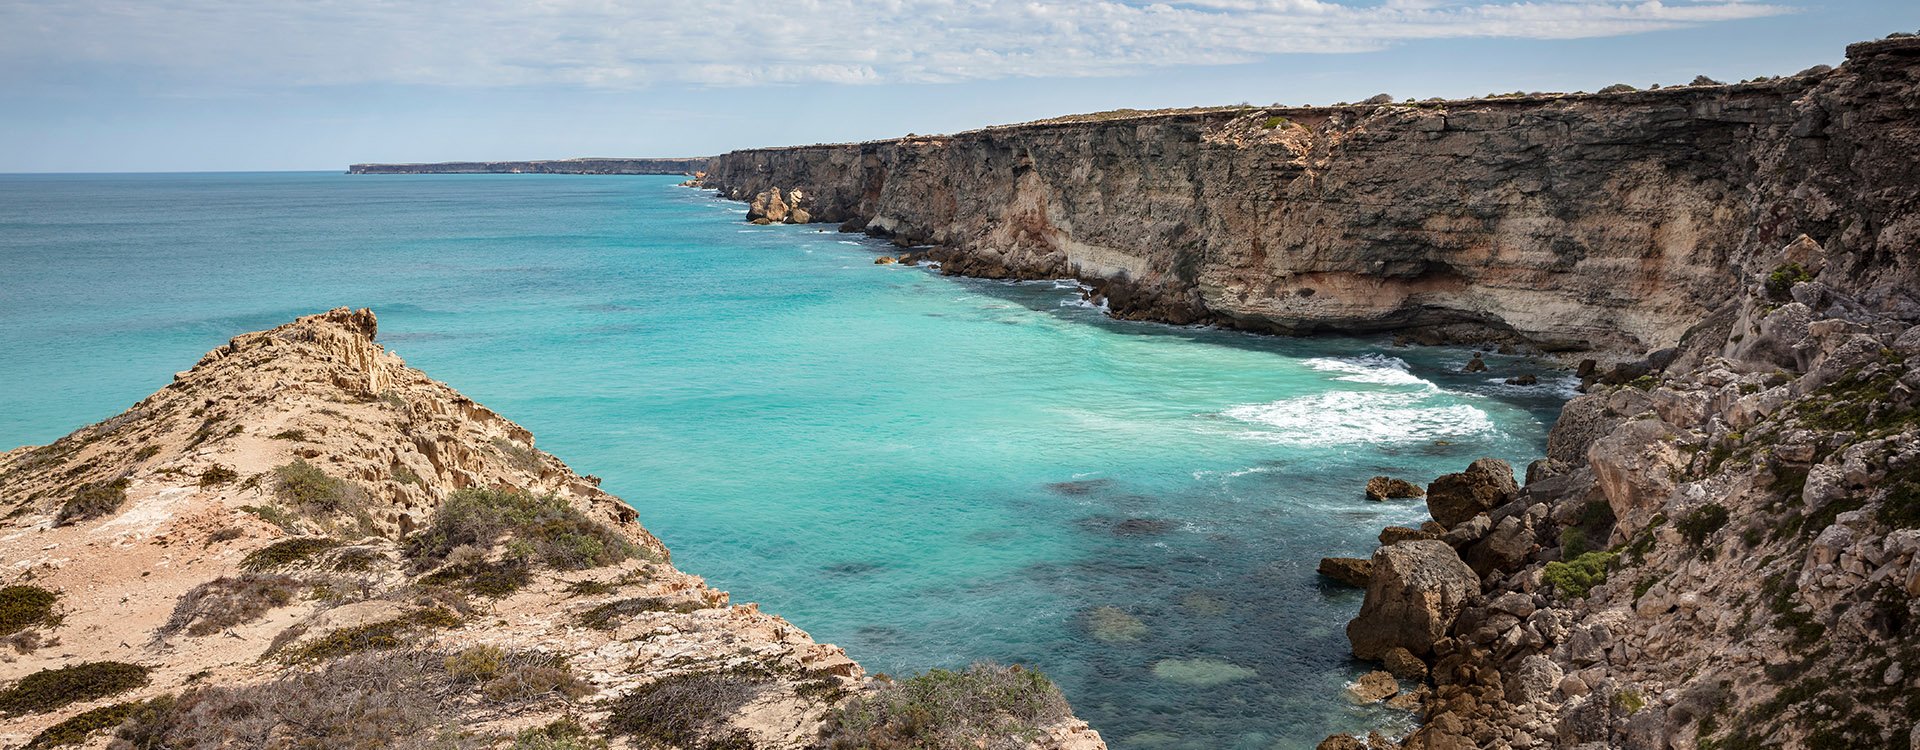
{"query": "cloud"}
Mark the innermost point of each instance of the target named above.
(624, 44)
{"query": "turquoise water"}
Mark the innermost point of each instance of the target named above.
(927, 471)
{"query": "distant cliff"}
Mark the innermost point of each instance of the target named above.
(686, 166)
(1611, 222)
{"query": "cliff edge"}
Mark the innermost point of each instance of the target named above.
(1606, 222)
(302, 542)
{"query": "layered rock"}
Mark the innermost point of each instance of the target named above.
(302, 521)
(1614, 222)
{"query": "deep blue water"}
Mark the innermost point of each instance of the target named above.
(927, 471)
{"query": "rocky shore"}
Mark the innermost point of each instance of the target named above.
(1722, 547)
(302, 542)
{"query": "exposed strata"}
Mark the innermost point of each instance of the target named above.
(682, 166)
(312, 434)
(1612, 222)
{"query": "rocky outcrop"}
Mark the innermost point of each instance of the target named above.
(1352, 571)
(1454, 499)
(682, 166)
(1614, 222)
(1388, 488)
(323, 547)
(1414, 591)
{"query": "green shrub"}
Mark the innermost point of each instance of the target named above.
(983, 706)
(1275, 122)
(373, 636)
(287, 553)
(310, 489)
(92, 500)
(1901, 509)
(76, 730)
(686, 710)
(1780, 282)
(1700, 523)
(1573, 541)
(49, 689)
(609, 616)
(273, 514)
(493, 580)
(562, 734)
(295, 435)
(550, 531)
(228, 601)
(216, 475)
(1578, 576)
(24, 606)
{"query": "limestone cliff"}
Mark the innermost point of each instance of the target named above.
(302, 542)
(1613, 222)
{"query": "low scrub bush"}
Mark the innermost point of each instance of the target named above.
(23, 607)
(609, 616)
(547, 530)
(287, 553)
(49, 689)
(1578, 576)
(387, 634)
(687, 710)
(228, 601)
(310, 489)
(563, 734)
(983, 706)
(385, 700)
(494, 580)
(92, 500)
(77, 730)
(1700, 523)
(217, 475)
(1780, 282)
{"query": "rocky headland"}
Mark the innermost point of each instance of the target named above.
(681, 166)
(302, 542)
(1721, 548)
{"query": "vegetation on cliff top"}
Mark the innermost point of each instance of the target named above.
(983, 706)
(49, 689)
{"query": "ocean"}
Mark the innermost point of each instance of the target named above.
(927, 471)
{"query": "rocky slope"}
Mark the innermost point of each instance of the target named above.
(302, 542)
(686, 166)
(1610, 222)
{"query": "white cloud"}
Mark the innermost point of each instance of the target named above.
(634, 43)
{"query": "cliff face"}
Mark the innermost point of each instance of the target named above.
(1612, 222)
(686, 166)
(302, 542)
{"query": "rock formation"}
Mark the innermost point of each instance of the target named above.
(1613, 222)
(302, 542)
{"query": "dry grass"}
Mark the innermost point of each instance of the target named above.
(228, 601)
(985, 706)
(687, 711)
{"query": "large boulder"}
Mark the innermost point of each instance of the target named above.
(769, 204)
(1635, 466)
(1415, 591)
(1388, 488)
(1352, 571)
(1454, 499)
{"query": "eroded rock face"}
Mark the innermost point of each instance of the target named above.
(1613, 222)
(1416, 589)
(1454, 499)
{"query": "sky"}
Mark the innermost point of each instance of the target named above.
(220, 85)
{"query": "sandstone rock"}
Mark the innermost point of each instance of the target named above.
(1486, 484)
(1372, 687)
(1416, 590)
(1384, 488)
(1398, 534)
(1403, 664)
(1341, 742)
(799, 216)
(884, 260)
(1634, 467)
(1503, 549)
(1352, 571)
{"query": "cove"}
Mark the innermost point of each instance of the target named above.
(925, 470)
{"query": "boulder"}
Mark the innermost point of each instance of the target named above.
(1504, 548)
(799, 216)
(1372, 687)
(769, 204)
(1398, 534)
(1341, 742)
(1415, 591)
(1475, 365)
(1634, 467)
(1486, 484)
(1384, 488)
(1352, 571)
(1404, 665)
(884, 260)
(1524, 379)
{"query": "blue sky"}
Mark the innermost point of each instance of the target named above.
(190, 85)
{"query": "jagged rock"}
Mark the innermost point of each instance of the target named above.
(1341, 742)
(1452, 499)
(1476, 364)
(1535, 680)
(1472, 530)
(799, 216)
(1352, 571)
(1403, 664)
(1635, 466)
(1398, 534)
(885, 260)
(1384, 488)
(1504, 548)
(1416, 590)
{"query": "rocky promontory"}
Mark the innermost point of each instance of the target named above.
(302, 542)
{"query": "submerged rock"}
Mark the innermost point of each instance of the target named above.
(1200, 672)
(1114, 625)
(1475, 365)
